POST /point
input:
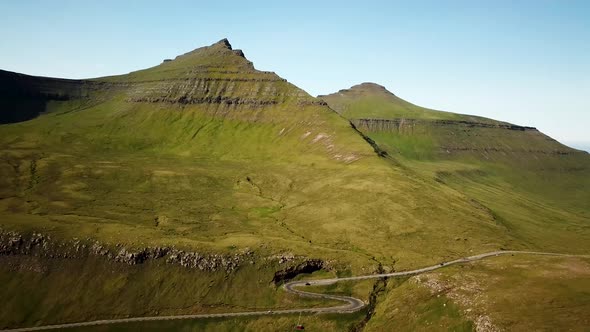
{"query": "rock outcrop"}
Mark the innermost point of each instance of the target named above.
(240, 53)
(400, 124)
(41, 245)
(37, 244)
(225, 43)
(307, 266)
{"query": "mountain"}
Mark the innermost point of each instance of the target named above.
(371, 100)
(201, 183)
(223, 152)
(536, 188)
(492, 162)
(428, 133)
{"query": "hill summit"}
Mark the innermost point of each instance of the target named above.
(371, 100)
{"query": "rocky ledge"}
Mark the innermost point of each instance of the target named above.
(41, 245)
(37, 244)
(398, 124)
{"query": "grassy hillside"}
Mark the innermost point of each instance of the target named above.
(373, 101)
(501, 294)
(227, 156)
(535, 188)
(205, 153)
(531, 184)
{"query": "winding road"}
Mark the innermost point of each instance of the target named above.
(350, 305)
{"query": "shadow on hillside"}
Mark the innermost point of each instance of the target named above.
(24, 97)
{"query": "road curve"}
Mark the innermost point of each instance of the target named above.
(350, 305)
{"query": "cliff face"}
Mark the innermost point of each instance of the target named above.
(401, 125)
(41, 245)
(202, 89)
(452, 137)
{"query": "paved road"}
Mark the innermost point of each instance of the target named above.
(351, 304)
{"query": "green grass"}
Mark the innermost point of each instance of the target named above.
(326, 322)
(411, 307)
(34, 290)
(94, 176)
(534, 189)
(513, 293)
(522, 292)
(372, 101)
(274, 171)
(291, 177)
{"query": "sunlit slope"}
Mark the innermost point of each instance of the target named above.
(373, 101)
(205, 151)
(534, 186)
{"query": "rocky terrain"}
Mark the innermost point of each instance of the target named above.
(39, 245)
(407, 125)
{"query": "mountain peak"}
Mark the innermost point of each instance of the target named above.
(363, 89)
(224, 43)
(369, 87)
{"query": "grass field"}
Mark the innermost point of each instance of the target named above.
(499, 294)
(34, 290)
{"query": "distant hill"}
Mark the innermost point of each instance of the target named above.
(416, 132)
(371, 100)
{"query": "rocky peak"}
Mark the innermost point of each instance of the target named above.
(224, 43)
(240, 53)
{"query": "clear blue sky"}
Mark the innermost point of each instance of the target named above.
(526, 62)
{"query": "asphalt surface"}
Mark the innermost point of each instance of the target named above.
(350, 305)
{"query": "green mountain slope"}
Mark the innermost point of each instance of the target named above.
(246, 175)
(535, 186)
(227, 156)
(373, 101)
